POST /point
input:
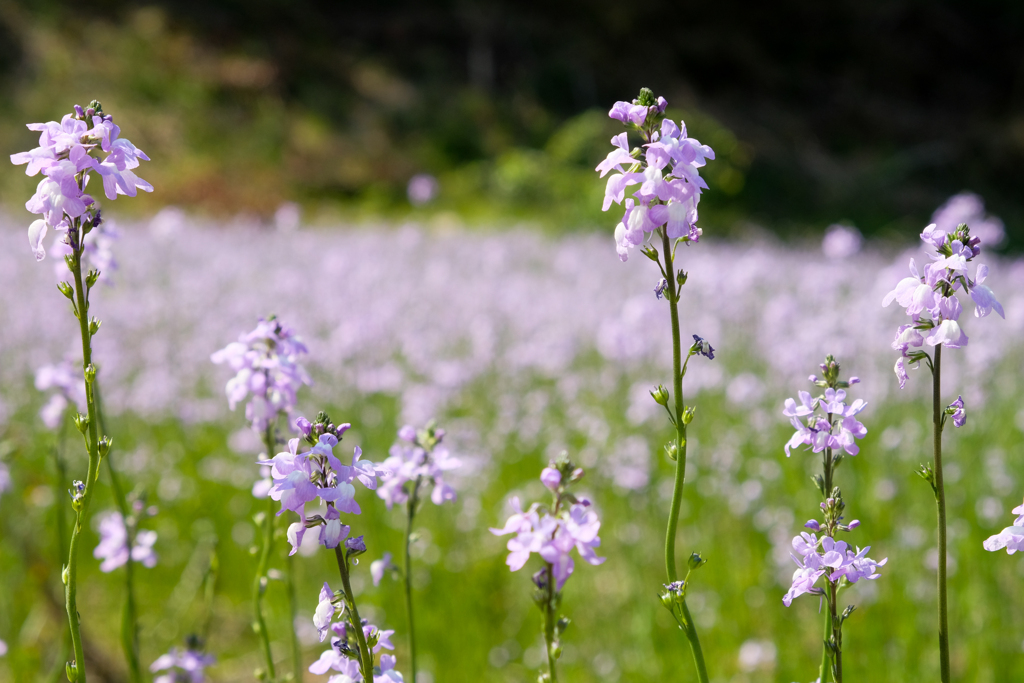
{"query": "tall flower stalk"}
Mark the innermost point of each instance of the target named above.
(552, 531)
(265, 361)
(930, 299)
(418, 461)
(826, 424)
(85, 141)
(663, 210)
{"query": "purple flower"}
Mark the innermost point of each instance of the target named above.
(69, 382)
(840, 430)
(956, 409)
(553, 536)
(984, 300)
(266, 365)
(410, 463)
(830, 558)
(324, 614)
(182, 666)
(551, 478)
(5, 477)
(68, 151)
(379, 567)
(387, 671)
(667, 168)
(660, 288)
(355, 545)
(703, 347)
(113, 545)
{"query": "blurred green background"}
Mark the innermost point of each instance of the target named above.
(866, 112)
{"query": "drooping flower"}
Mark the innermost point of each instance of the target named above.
(113, 545)
(957, 411)
(266, 363)
(703, 347)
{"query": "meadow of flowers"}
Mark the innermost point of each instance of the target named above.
(520, 383)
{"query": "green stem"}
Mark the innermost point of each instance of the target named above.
(365, 659)
(129, 617)
(825, 659)
(940, 502)
(57, 673)
(92, 443)
(293, 612)
(549, 625)
(677, 488)
(259, 586)
(411, 514)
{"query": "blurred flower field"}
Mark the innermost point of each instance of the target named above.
(520, 345)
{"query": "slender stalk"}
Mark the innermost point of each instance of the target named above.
(92, 443)
(293, 612)
(825, 659)
(677, 488)
(837, 634)
(57, 672)
(940, 502)
(365, 659)
(259, 586)
(549, 624)
(129, 616)
(411, 514)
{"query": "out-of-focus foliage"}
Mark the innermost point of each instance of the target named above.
(866, 113)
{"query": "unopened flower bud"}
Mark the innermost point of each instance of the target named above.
(650, 252)
(562, 624)
(90, 369)
(813, 525)
(853, 525)
(81, 422)
(646, 98)
(688, 414)
(681, 278)
(66, 289)
(670, 451)
(355, 546)
(696, 561)
(71, 668)
(94, 326)
(660, 395)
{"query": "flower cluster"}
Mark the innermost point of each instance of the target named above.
(929, 296)
(343, 657)
(552, 532)
(183, 666)
(666, 167)
(835, 560)
(1011, 538)
(266, 365)
(418, 457)
(113, 545)
(67, 379)
(85, 140)
(834, 425)
(300, 478)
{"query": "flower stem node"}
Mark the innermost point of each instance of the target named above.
(928, 475)
(90, 369)
(660, 395)
(650, 252)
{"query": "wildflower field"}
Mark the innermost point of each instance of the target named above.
(520, 346)
(352, 488)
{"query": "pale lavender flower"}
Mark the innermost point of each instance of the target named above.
(84, 141)
(325, 611)
(300, 478)
(183, 666)
(841, 242)
(815, 430)
(1011, 538)
(829, 558)
(66, 377)
(553, 535)
(266, 363)
(335, 658)
(97, 250)
(667, 169)
(930, 300)
(422, 189)
(414, 460)
(3, 648)
(113, 545)
(660, 288)
(379, 567)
